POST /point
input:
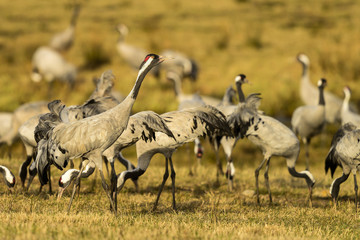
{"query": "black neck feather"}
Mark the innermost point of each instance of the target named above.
(321, 96)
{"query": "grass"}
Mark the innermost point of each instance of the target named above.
(206, 209)
(259, 38)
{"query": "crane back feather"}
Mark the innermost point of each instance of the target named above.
(331, 161)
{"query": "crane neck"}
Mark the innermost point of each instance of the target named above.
(345, 105)
(304, 174)
(177, 83)
(75, 16)
(141, 75)
(305, 71)
(228, 98)
(240, 92)
(335, 185)
(321, 96)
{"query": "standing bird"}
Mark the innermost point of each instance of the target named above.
(228, 143)
(176, 78)
(99, 101)
(30, 135)
(308, 121)
(346, 114)
(344, 152)
(5, 123)
(309, 94)
(49, 65)
(8, 176)
(142, 125)
(131, 54)
(64, 40)
(21, 115)
(90, 137)
(186, 126)
(272, 137)
(187, 67)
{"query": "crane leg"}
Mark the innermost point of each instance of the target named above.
(266, 176)
(229, 173)
(257, 179)
(113, 184)
(356, 190)
(173, 175)
(165, 177)
(106, 166)
(23, 170)
(49, 174)
(9, 151)
(190, 160)
(106, 188)
(77, 181)
(307, 154)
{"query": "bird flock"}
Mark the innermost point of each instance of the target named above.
(98, 130)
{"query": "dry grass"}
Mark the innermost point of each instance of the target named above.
(206, 210)
(259, 38)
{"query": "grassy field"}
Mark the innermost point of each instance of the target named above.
(258, 38)
(206, 210)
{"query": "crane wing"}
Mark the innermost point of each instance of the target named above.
(188, 124)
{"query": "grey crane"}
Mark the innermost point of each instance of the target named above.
(309, 94)
(185, 66)
(46, 122)
(26, 132)
(99, 101)
(272, 137)
(49, 65)
(186, 125)
(8, 176)
(5, 123)
(30, 136)
(142, 125)
(21, 115)
(131, 54)
(228, 143)
(346, 114)
(186, 101)
(62, 41)
(90, 137)
(308, 121)
(176, 78)
(189, 101)
(71, 174)
(344, 152)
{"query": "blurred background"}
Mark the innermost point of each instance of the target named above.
(259, 38)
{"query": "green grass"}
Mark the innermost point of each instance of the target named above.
(258, 38)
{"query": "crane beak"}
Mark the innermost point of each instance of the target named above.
(161, 59)
(166, 58)
(60, 193)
